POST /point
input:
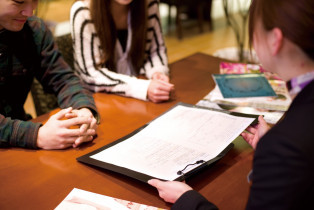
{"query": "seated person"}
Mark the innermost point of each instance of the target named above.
(116, 40)
(27, 50)
(282, 34)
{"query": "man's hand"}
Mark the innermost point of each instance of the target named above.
(83, 112)
(58, 133)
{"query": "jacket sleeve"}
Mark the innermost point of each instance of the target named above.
(55, 74)
(156, 51)
(87, 54)
(17, 133)
(192, 200)
(282, 171)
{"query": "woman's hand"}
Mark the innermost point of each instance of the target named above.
(170, 191)
(159, 91)
(254, 133)
(160, 76)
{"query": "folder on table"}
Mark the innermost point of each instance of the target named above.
(177, 144)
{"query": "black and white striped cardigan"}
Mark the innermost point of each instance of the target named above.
(87, 53)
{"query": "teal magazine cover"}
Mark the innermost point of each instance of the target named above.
(243, 85)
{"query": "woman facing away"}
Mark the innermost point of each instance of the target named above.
(281, 32)
(117, 40)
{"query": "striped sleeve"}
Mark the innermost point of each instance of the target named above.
(87, 54)
(156, 51)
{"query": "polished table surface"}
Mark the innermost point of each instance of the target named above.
(39, 179)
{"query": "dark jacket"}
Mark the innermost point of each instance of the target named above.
(283, 165)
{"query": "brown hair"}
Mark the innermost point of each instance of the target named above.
(295, 18)
(106, 31)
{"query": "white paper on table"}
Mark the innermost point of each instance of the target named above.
(180, 137)
(83, 200)
(271, 117)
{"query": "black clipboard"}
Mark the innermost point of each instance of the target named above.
(144, 177)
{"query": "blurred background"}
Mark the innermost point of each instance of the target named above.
(214, 27)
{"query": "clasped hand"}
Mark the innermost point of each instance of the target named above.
(67, 128)
(159, 88)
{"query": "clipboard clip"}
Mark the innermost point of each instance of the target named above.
(197, 162)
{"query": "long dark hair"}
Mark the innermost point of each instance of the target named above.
(295, 18)
(106, 31)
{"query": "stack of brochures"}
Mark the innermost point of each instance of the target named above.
(248, 88)
(81, 199)
(244, 85)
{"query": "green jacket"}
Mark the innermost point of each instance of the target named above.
(24, 55)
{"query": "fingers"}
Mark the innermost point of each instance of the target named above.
(159, 91)
(76, 121)
(160, 76)
(154, 182)
(71, 115)
(161, 85)
(84, 133)
(61, 114)
(262, 124)
(159, 99)
(251, 129)
(247, 136)
(77, 132)
(74, 137)
(68, 140)
(251, 139)
(158, 185)
(261, 120)
(87, 131)
(78, 135)
(61, 146)
(82, 139)
(162, 88)
(70, 135)
(170, 191)
(165, 86)
(163, 78)
(93, 124)
(50, 139)
(61, 131)
(84, 128)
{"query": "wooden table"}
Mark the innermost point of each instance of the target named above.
(38, 179)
